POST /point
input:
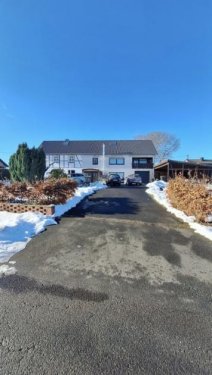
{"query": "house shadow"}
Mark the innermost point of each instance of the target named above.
(104, 206)
(136, 187)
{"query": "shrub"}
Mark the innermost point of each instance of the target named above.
(43, 192)
(53, 191)
(13, 191)
(190, 197)
(57, 173)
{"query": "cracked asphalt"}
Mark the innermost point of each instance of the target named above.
(120, 286)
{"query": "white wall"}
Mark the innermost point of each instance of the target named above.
(85, 161)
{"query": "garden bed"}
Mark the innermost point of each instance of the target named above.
(41, 196)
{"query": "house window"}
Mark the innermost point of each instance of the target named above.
(112, 161)
(56, 158)
(139, 162)
(95, 161)
(71, 159)
(116, 161)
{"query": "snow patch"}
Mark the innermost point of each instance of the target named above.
(16, 230)
(6, 270)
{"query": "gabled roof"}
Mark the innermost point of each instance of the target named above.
(113, 147)
(3, 164)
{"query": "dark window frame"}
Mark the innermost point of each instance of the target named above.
(95, 161)
(142, 162)
(116, 161)
(56, 158)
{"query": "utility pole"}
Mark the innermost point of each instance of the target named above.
(103, 159)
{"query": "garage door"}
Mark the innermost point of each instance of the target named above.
(144, 175)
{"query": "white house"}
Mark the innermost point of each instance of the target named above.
(96, 158)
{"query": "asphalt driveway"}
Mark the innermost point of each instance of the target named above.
(118, 287)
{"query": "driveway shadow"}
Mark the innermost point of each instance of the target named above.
(104, 206)
(21, 284)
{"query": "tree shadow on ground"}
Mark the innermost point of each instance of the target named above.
(21, 284)
(160, 242)
(104, 206)
(201, 251)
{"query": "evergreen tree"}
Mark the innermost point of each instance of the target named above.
(41, 164)
(20, 163)
(38, 164)
(27, 164)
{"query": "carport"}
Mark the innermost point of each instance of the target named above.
(171, 168)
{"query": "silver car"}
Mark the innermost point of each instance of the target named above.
(134, 180)
(79, 178)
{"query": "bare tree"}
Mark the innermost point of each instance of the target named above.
(164, 143)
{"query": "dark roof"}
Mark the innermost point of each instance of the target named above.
(179, 164)
(200, 161)
(132, 147)
(3, 164)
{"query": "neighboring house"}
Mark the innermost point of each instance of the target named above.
(197, 168)
(201, 161)
(96, 158)
(3, 167)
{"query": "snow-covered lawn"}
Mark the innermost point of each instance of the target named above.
(16, 230)
(157, 190)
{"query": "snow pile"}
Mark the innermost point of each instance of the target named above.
(158, 191)
(80, 194)
(16, 230)
(209, 219)
(6, 270)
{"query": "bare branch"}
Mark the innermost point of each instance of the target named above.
(166, 144)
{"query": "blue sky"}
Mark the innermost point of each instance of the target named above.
(109, 69)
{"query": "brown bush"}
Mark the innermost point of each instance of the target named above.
(53, 191)
(43, 192)
(13, 191)
(190, 197)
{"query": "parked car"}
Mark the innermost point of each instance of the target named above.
(113, 180)
(79, 178)
(134, 180)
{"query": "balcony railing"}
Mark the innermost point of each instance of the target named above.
(142, 166)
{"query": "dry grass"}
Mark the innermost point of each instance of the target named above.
(190, 197)
(42, 192)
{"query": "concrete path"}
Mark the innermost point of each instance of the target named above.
(118, 287)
